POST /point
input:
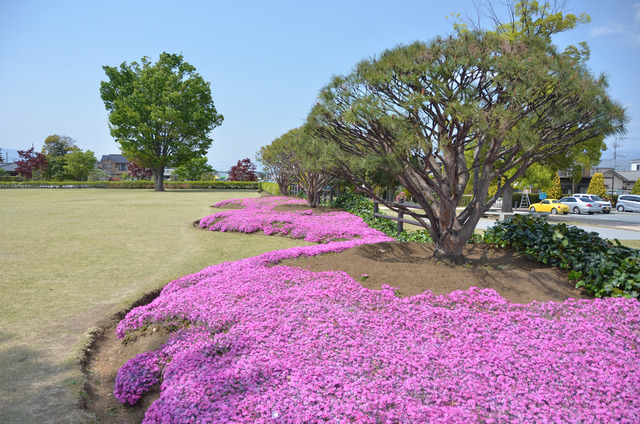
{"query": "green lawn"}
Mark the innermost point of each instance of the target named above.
(70, 258)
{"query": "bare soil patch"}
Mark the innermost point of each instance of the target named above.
(411, 267)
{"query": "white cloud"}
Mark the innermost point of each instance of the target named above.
(636, 13)
(606, 30)
(629, 31)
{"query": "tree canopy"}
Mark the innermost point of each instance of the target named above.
(138, 172)
(244, 170)
(31, 162)
(636, 187)
(555, 192)
(526, 20)
(160, 113)
(79, 164)
(433, 115)
(277, 159)
(58, 145)
(596, 185)
(296, 153)
(193, 169)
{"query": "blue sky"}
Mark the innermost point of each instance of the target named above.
(266, 61)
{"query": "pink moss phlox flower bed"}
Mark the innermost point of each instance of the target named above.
(258, 215)
(261, 342)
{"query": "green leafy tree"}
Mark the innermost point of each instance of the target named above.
(58, 145)
(636, 187)
(575, 172)
(210, 176)
(160, 113)
(97, 174)
(537, 176)
(555, 192)
(530, 19)
(277, 159)
(79, 164)
(193, 170)
(55, 170)
(304, 165)
(596, 185)
(434, 114)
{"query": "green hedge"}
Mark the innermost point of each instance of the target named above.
(602, 267)
(235, 185)
(11, 178)
(271, 188)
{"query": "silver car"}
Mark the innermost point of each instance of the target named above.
(606, 205)
(580, 205)
(628, 203)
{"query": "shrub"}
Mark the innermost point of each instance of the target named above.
(596, 186)
(362, 206)
(602, 267)
(271, 188)
(555, 192)
(636, 187)
(144, 184)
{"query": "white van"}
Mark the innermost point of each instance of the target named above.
(628, 203)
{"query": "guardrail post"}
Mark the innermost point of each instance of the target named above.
(375, 208)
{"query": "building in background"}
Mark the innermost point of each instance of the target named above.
(114, 165)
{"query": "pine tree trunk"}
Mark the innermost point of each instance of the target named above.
(507, 199)
(283, 186)
(312, 192)
(450, 250)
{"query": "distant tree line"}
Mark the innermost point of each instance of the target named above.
(60, 160)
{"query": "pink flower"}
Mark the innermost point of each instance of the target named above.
(261, 342)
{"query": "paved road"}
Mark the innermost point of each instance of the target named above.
(621, 226)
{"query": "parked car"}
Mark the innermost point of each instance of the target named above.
(550, 205)
(580, 205)
(606, 205)
(628, 203)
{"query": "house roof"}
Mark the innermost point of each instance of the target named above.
(631, 176)
(115, 158)
(9, 167)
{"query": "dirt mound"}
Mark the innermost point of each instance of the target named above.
(413, 268)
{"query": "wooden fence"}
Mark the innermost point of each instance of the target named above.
(326, 194)
(400, 219)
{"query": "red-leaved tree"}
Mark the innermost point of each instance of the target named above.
(244, 170)
(138, 172)
(31, 161)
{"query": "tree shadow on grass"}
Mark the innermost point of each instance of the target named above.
(33, 389)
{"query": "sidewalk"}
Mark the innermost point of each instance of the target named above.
(605, 232)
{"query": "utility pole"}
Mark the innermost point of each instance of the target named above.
(616, 144)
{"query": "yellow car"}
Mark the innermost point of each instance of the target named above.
(550, 205)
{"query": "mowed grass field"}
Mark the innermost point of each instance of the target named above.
(71, 258)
